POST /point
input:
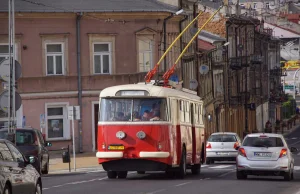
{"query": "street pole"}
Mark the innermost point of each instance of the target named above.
(295, 82)
(73, 133)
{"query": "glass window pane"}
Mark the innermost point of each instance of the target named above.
(147, 61)
(51, 48)
(5, 153)
(55, 128)
(144, 45)
(101, 48)
(4, 49)
(26, 138)
(50, 67)
(55, 111)
(59, 65)
(97, 63)
(105, 63)
(141, 62)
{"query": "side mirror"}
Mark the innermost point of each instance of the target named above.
(48, 144)
(237, 148)
(32, 159)
(294, 150)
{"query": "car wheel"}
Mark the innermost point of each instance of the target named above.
(46, 170)
(182, 167)
(240, 175)
(6, 190)
(196, 168)
(288, 176)
(38, 188)
(141, 172)
(111, 174)
(122, 175)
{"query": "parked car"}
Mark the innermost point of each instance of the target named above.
(31, 142)
(265, 154)
(18, 176)
(221, 147)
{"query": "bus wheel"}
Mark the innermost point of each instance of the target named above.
(122, 174)
(111, 174)
(141, 172)
(182, 167)
(196, 168)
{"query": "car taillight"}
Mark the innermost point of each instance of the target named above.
(242, 152)
(208, 145)
(283, 153)
(236, 145)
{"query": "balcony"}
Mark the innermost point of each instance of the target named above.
(255, 59)
(237, 63)
(235, 100)
(255, 91)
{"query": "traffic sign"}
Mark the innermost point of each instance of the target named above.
(193, 84)
(5, 69)
(4, 101)
(73, 112)
(203, 69)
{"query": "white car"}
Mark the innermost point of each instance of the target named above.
(265, 154)
(222, 147)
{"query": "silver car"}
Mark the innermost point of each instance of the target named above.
(265, 154)
(222, 147)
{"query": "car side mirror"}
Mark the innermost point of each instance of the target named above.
(32, 159)
(48, 144)
(237, 148)
(294, 150)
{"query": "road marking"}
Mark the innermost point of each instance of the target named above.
(295, 138)
(156, 191)
(224, 174)
(296, 167)
(182, 184)
(221, 166)
(295, 143)
(204, 166)
(80, 182)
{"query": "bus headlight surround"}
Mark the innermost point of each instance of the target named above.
(141, 135)
(120, 135)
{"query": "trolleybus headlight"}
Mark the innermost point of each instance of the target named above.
(103, 146)
(159, 146)
(120, 135)
(141, 135)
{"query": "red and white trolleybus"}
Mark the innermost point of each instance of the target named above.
(143, 127)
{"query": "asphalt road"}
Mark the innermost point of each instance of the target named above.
(215, 178)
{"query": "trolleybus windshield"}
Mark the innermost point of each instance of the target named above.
(133, 109)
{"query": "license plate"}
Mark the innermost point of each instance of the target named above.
(116, 147)
(222, 153)
(262, 154)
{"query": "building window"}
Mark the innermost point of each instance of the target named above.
(55, 58)
(57, 123)
(145, 55)
(268, 5)
(4, 52)
(102, 58)
(254, 5)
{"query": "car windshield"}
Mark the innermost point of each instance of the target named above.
(134, 110)
(263, 142)
(24, 137)
(222, 138)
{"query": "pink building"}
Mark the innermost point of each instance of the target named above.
(69, 52)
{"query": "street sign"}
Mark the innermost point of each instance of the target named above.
(193, 84)
(203, 69)
(5, 69)
(4, 101)
(73, 112)
(42, 121)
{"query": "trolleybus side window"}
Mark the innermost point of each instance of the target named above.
(134, 109)
(187, 112)
(182, 110)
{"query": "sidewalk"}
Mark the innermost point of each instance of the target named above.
(288, 131)
(84, 161)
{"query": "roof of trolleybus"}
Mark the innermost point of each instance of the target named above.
(154, 91)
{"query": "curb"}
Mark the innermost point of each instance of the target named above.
(65, 172)
(292, 130)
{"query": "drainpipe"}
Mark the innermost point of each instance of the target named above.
(78, 18)
(165, 38)
(181, 48)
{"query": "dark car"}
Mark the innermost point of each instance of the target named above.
(17, 175)
(31, 142)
